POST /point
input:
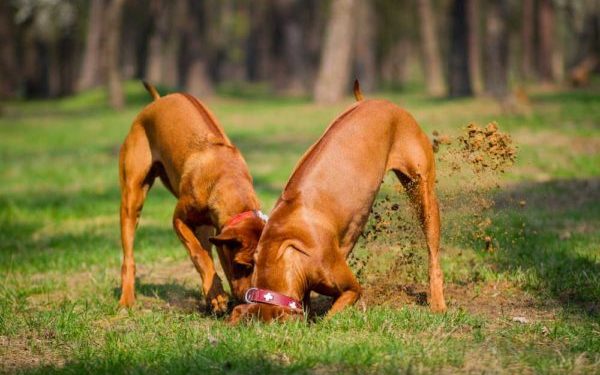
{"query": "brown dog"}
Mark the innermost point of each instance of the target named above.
(178, 140)
(326, 202)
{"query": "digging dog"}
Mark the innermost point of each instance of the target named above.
(325, 204)
(177, 139)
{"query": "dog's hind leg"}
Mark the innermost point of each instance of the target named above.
(136, 176)
(421, 190)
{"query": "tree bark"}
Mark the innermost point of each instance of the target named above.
(432, 66)
(333, 78)
(473, 12)
(196, 79)
(527, 25)
(458, 77)
(394, 65)
(366, 64)
(9, 67)
(258, 50)
(91, 73)
(114, 21)
(156, 45)
(496, 80)
(546, 40)
(288, 62)
(171, 73)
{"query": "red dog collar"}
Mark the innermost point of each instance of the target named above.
(244, 215)
(256, 295)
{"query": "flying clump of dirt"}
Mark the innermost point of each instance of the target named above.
(391, 255)
(487, 148)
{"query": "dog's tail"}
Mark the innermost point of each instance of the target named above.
(152, 90)
(357, 93)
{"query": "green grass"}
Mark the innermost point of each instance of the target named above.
(60, 251)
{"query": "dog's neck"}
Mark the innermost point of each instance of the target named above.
(230, 197)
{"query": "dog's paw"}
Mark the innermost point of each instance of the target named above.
(126, 301)
(219, 303)
(438, 306)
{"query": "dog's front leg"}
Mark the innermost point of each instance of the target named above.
(347, 286)
(212, 287)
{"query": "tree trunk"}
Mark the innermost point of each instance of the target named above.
(432, 66)
(473, 11)
(333, 78)
(91, 73)
(135, 38)
(394, 65)
(527, 24)
(9, 67)
(496, 50)
(458, 77)
(196, 80)
(156, 45)
(546, 40)
(288, 63)
(258, 50)
(366, 64)
(113, 36)
(171, 53)
(53, 65)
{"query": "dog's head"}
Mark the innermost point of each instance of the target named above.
(237, 245)
(263, 312)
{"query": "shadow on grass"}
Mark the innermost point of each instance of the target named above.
(552, 242)
(205, 360)
(177, 296)
(61, 229)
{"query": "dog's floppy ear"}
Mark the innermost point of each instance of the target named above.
(245, 257)
(226, 238)
(243, 254)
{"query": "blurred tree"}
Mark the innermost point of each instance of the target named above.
(546, 35)
(229, 31)
(473, 14)
(9, 67)
(288, 61)
(396, 34)
(195, 56)
(459, 81)
(48, 45)
(527, 27)
(333, 78)
(366, 44)
(258, 49)
(134, 41)
(432, 64)
(165, 41)
(92, 71)
(496, 49)
(114, 18)
(584, 52)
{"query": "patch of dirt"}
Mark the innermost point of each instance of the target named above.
(492, 300)
(171, 286)
(22, 353)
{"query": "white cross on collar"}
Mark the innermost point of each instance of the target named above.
(268, 296)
